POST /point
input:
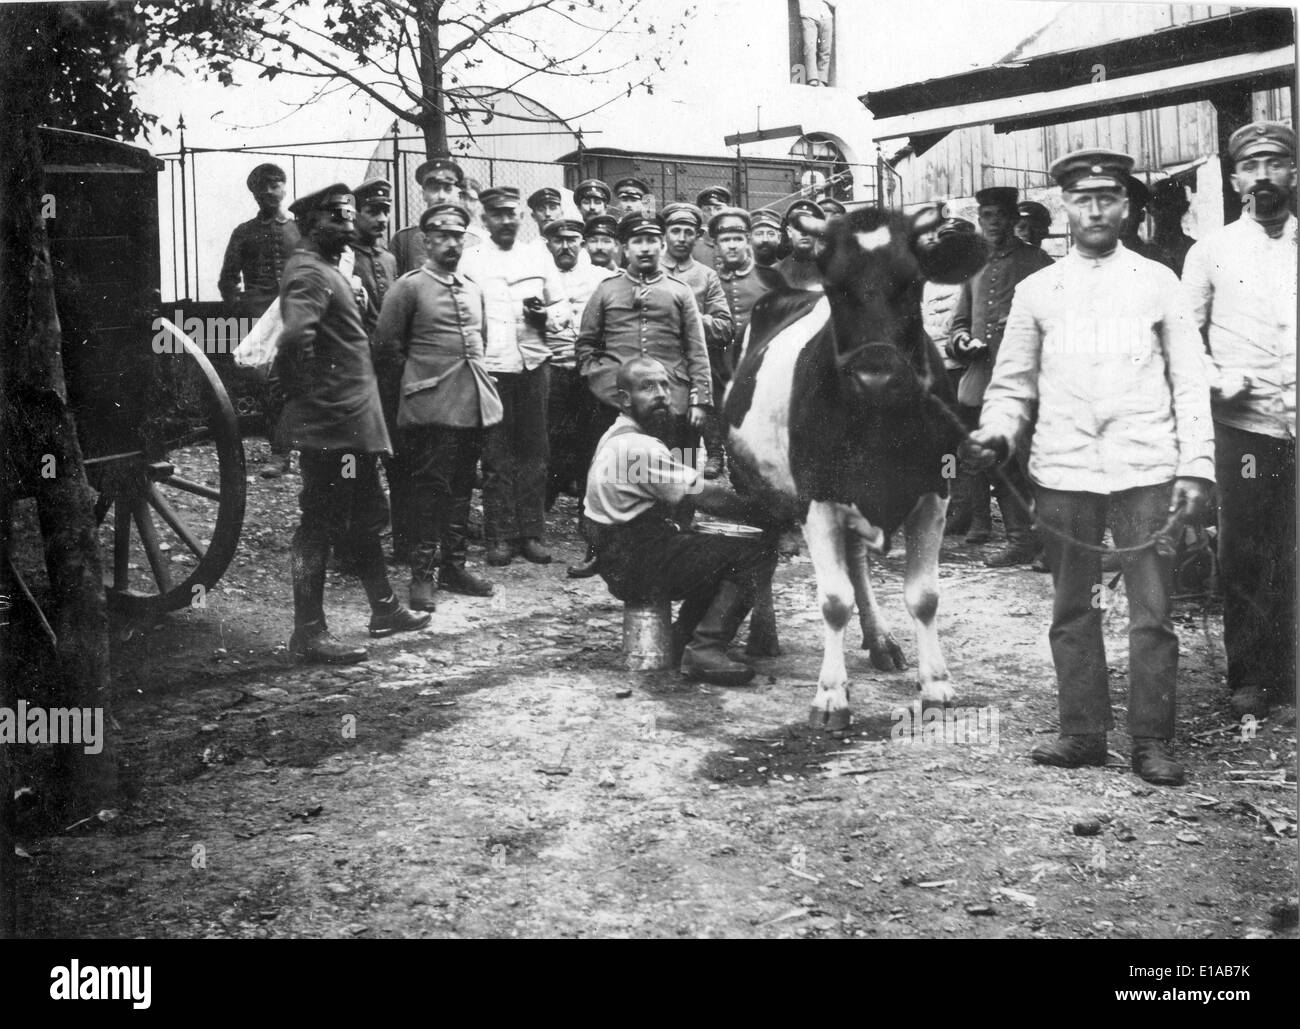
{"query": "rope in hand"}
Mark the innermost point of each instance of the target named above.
(1163, 539)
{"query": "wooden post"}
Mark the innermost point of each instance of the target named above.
(1232, 109)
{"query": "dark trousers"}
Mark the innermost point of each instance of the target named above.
(397, 465)
(1077, 649)
(343, 505)
(1256, 485)
(1015, 519)
(650, 558)
(442, 461)
(566, 414)
(515, 454)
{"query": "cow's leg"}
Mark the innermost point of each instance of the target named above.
(763, 640)
(825, 534)
(886, 654)
(923, 532)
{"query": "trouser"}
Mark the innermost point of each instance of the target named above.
(342, 504)
(818, 39)
(715, 437)
(515, 453)
(1256, 486)
(1016, 520)
(651, 559)
(975, 485)
(277, 426)
(566, 412)
(397, 465)
(1076, 634)
(442, 461)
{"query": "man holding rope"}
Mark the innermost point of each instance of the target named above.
(1103, 345)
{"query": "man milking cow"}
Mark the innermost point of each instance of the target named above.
(635, 489)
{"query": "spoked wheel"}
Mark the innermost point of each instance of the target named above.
(171, 513)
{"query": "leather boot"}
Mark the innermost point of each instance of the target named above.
(585, 568)
(692, 609)
(424, 579)
(1072, 751)
(1021, 547)
(1153, 762)
(959, 511)
(314, 644)
(705, 657)
(530, 549)
(500, 554)
(392, 616)
(456, 578)
(981, 517)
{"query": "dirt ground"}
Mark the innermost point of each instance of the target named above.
(500, 774)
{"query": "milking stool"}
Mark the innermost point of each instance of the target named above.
(648, 635)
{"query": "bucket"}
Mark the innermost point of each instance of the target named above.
(648, 636)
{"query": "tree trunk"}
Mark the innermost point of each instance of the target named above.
(38, 422)
(433, 116)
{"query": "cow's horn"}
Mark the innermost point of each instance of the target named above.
(809, 224)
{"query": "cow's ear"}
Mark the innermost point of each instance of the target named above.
(945, 255)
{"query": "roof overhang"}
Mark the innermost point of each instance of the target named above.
(1177, 85)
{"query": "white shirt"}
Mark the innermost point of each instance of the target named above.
(507, 278)
(576, 286)
(1108, 350)
(631, 472)
(1241, 284)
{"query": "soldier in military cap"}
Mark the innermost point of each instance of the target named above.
(432, 326)
(644, 312)
(1168, 205)
(545, 206)
(1138, 198)
(832, 207)
(1241, 284)
(709, 201)
(336, 420)
(441, 181)
(1034, 224)
(519, 284)
(977, 325)
(249, 283)
(1100, 353)
(633, 195)
(765, 236)
(799, 267)
(593, 198)
(600, 234)
(377, 270)
(743, 281)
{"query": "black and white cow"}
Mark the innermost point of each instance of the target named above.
(832, 420)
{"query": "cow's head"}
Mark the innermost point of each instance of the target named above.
(874, 263)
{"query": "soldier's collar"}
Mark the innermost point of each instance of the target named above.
(280, 217)
(735, 273)
(645, 281)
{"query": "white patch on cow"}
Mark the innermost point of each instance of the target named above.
(763, 437)
(876, 239)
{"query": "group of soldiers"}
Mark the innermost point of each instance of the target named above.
(482, 352)
(456, 346)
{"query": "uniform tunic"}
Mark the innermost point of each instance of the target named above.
(801, 274)
(630, 317)
(324, 361)
(256, 256)
(435, 321)
(719, 326)
(377, 270)
(984, 306)
(742, 287)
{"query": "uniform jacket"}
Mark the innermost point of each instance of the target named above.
(254, 261)
(742, 288)
(324, 361)
(1108, 350)
(983, 308)
(377, 270)
(1241, 286)
(719, 326)
(628, 317)
(433, 321)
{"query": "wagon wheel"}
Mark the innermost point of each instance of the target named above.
(153, 511)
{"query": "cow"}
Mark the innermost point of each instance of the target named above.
(836, 416)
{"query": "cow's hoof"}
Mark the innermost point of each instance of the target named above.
(886, 655)
(938, 695)
(832, 721)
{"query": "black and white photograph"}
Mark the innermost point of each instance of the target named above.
(613, 469)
